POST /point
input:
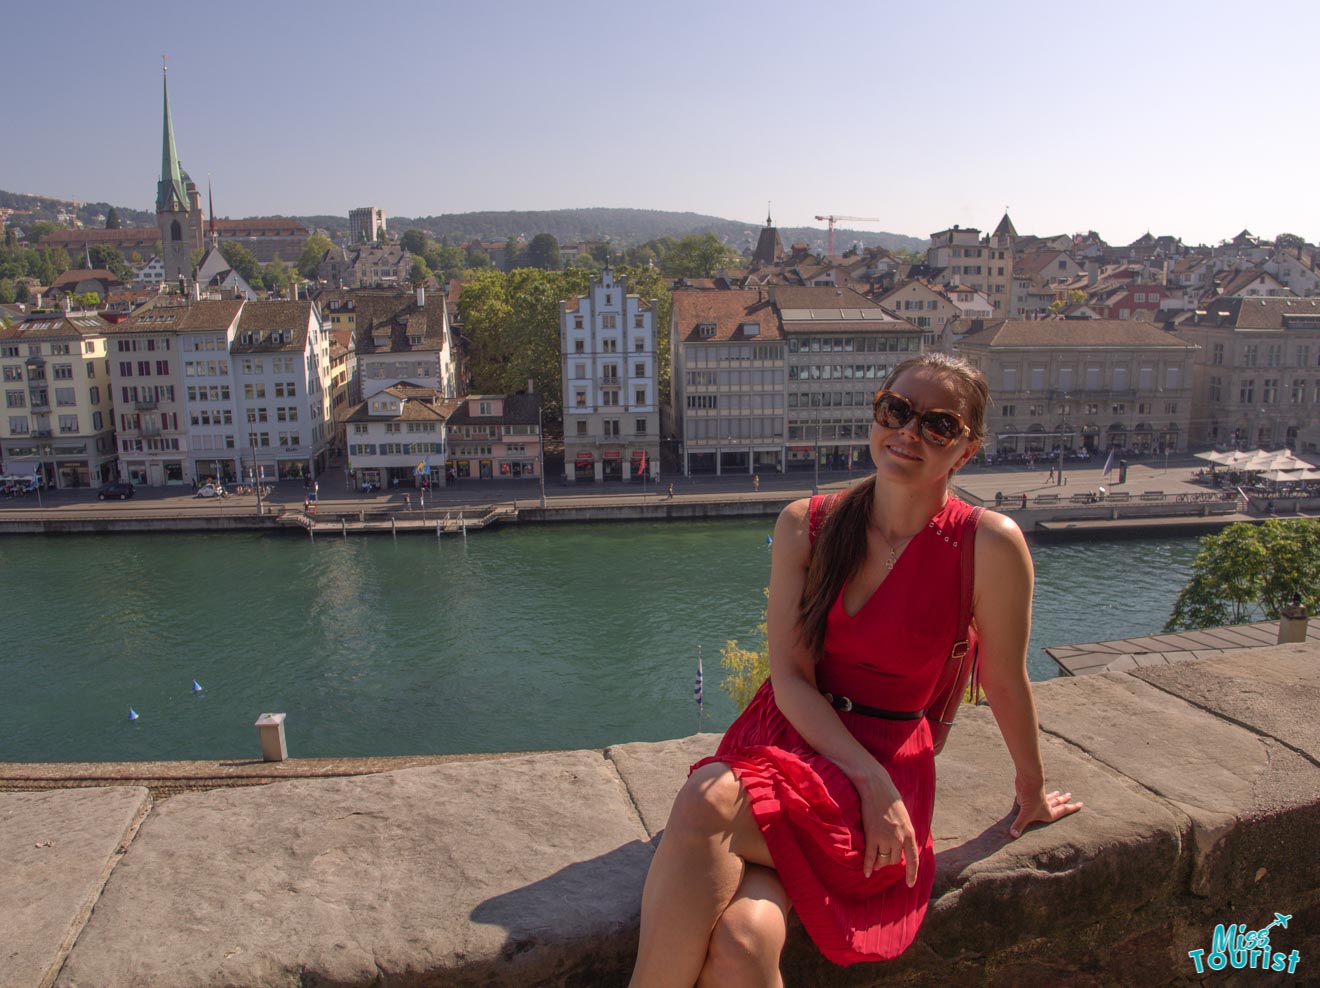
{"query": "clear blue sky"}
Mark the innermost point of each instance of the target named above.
(1188, 118)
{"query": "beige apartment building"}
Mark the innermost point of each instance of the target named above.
(1256, 378)
(1083, 384)
(780, 379)
(611, 389)
(58, 422)
(727, 387)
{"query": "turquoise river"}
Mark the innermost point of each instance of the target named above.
(518, 639)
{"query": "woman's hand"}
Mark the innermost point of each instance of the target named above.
(885, 825)
(1034, 805)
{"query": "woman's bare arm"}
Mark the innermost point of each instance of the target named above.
(1002, 609)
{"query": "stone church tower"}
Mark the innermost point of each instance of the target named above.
(178, 207)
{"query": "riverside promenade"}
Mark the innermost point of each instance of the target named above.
(1201, 782)
(1154, 497)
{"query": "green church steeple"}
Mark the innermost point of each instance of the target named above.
(170, 193)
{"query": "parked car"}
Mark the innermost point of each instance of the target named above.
(211, 490)
(120, 489)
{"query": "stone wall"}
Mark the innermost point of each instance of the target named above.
(1202, 791)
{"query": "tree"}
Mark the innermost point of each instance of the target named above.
(413, 241)
(698, 256)
(110, 259)
(511, 253)
(1289, 241)
(313, 249)
(419, 272)
(112, 219)
(543, 253)
(1249, 572)
(276, 276)
(243, 261)
(8, 293)
(746, 668)
(87, 300)
(38, 230)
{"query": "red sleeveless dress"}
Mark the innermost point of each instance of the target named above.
(888, 655)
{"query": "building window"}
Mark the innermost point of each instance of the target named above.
(580, 398)
(640, 396)
(641, 427)
(609, 320)
(582, 427)
(1247, 392)
(1249, 355)
(1217, 354)
(579, 346)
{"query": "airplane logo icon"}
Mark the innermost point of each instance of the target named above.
(1279, 920)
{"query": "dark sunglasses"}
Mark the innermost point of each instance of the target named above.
(937, 426)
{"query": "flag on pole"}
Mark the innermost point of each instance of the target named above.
(641, 465)
(696, 683)
(1109, 464)
(423, 468)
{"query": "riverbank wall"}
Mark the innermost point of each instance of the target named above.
(1136, 517)
(1202, 789)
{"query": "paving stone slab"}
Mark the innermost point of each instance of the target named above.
(1217, 773)
(655, 771)
(1274, 690)
(519, 872)
(57, 849)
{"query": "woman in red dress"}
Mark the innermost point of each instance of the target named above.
(827, 811)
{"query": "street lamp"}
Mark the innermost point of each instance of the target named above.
(540, 438)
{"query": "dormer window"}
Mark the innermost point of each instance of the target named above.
(705, 330)
(485, 408)
(751, 329)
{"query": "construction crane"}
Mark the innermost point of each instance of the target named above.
(831, 219)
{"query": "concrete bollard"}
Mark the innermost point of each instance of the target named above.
(1292, 621)
(271, 729)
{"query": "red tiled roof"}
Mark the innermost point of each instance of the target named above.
(727, 310)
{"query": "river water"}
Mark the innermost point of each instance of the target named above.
(518, 639)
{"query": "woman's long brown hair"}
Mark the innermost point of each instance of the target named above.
(840, 545)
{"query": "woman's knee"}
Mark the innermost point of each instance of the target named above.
(747, 940)
(708, 803)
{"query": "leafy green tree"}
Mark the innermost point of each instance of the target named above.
(38, 230)
(276, 276)
(543, 253)
(313, 249)
(112, 219)
(195, 258)
(1249, 572)
(1289, 241)
(110, 259)
(476, 258)
(419, 272)
(87, 300)
(698, 256)
(512, 254)
(11, 238)
(8, 291)
(413, 241)
(747, 668)
(243, 261)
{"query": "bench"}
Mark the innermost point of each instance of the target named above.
(1153, 496)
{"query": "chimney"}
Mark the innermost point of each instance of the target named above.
(421, 296)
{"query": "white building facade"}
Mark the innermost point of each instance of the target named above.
(611, 384)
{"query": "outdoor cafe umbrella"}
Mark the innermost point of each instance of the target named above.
(1215, 456)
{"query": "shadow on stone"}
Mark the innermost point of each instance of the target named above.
(575, 927)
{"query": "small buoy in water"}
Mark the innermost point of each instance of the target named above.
(132, 714)
(197, 687)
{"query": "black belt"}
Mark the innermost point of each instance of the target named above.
(852, 706)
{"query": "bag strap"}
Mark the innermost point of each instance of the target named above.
(820, 506)
(967, 565)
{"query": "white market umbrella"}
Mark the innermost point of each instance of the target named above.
(1213, 455)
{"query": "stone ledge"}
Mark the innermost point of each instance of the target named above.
(528, 870)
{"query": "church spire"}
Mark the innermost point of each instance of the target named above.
(170, 195)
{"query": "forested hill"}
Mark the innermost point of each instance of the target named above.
(622, 227)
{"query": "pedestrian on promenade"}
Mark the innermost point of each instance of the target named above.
(396, 485)
(821, 802)
(407, 502)
(1024, 500)
(1050, 479)
(671, 493)
(756, 483)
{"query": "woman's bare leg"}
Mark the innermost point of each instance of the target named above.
(749, 935)
(694, 876)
